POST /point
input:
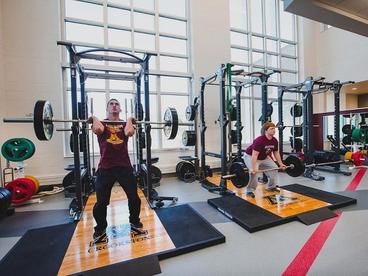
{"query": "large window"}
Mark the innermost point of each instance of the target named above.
(263, 37)
(136, 26)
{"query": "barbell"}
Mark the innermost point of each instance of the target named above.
(43, 121)
(239, 173)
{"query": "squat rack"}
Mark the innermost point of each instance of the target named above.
(82, 193)
(308, 88)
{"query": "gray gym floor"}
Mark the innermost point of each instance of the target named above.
(267, 252)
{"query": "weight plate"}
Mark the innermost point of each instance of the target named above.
(68, 180)
(358, 158)
(357, 135)
(18, 149)
(208, 171)
(189, 138)
(347, 129)
(348, 155)
(346, 140)
(190, 112)
(139, 112)
(42, 114)
(81, 142)
(296, 131)
(298, 143)
(171, 123)
(269, 110)
(187, 171)
(156, 174)
(233, 113)
(35, 181)
(21, 189)
(298, 169)
(241, 177)
(233, 139)
(297, 110)
(177, 168)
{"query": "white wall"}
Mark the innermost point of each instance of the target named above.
(335, 54)
(30, 56)
(211, 47)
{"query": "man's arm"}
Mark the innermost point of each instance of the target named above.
(278, 159)
(97, 127)
(254, 161)
(130, 127)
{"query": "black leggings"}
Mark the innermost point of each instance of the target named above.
(106, 179)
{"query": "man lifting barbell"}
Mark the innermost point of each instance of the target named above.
(114, 166)
(259, 156)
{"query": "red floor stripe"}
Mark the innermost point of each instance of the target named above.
(306, 256)
(356, 180)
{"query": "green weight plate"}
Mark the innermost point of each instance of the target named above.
(357, 135)
(18, 149)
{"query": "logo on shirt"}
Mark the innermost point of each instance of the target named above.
(269, 149)
(114, 130)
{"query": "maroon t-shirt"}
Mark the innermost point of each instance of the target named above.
(113, 147)
(264, 146)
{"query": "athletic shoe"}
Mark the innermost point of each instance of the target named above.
(273, 189)
(251, 194)
(136, 226)
(99, 236)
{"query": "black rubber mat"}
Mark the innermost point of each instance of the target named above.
(254, 218)
(144, 266)
(336, 200)
(247, 215)
(38, 252)
(315, 216)
(187, 229)
(18, 224)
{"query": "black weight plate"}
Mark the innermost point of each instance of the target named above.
(189, 138)
(68, 181)
(347, 129)
(233, 113)
(41, 114)
(297, 110)
(171, 123)
(139, 112)
(298, 143)
(242, 177)
(208, 171)
(81, 142)
(346, 140)
(298, 169)
(296, 131)
(233, 139)
(190, 112)
(187, 171)
(177, 168)
(269, 110)
(156, 174)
